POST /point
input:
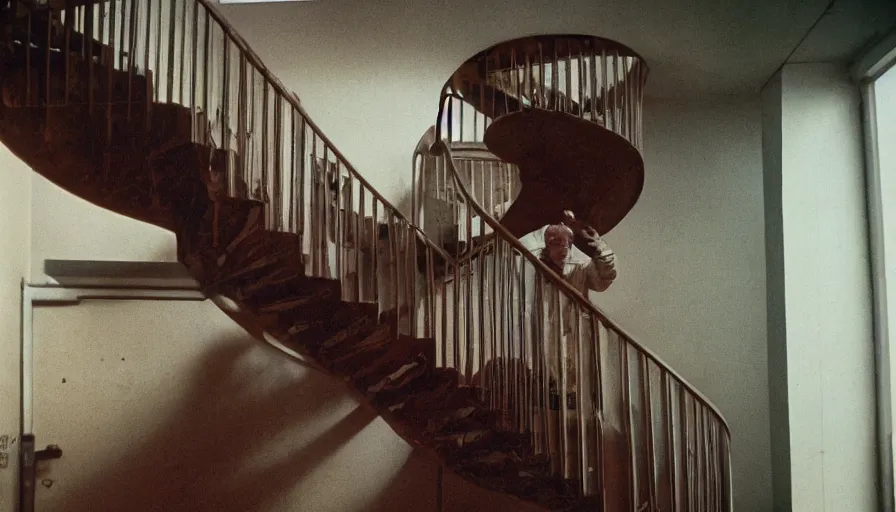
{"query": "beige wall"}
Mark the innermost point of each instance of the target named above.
(68, 227)
(691, 261)
(15, 199)
(178, 409)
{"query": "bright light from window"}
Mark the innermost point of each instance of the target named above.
(882, 179)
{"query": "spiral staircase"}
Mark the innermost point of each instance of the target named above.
(160, 111)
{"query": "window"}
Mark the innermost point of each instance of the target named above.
(878, 77)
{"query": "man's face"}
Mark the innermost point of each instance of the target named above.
(558, 250)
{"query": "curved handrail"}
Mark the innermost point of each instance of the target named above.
(611, 89)
(295, 102)
(439, 147)
(253, 57)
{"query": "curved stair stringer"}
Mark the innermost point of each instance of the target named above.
(600, 195)
(115, 143)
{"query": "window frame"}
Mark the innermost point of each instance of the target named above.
(873, 64)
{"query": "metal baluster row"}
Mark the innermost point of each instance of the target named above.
(184, 53)
(596, 83)
(503, 320)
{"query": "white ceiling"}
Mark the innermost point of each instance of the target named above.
(693, 47)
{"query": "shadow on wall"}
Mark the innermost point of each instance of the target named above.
(157, 414)
(224, 448)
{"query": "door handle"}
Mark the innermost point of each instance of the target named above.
(29, 459)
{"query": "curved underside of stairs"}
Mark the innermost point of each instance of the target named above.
(113, 130)
(566, 111)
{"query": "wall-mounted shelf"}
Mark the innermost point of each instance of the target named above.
(120, 274)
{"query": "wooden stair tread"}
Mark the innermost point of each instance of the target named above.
(399, 353)
(21, 82)
(131, 186)
(259, 252)
(280, 292)
(318, 324)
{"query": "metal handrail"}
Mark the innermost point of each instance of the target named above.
(439, 147)
(296, 103)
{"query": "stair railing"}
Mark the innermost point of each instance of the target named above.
(124, 58)
(585, 76)
(183, 52)
(589, 77)
(626, 411)
(493, 183)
